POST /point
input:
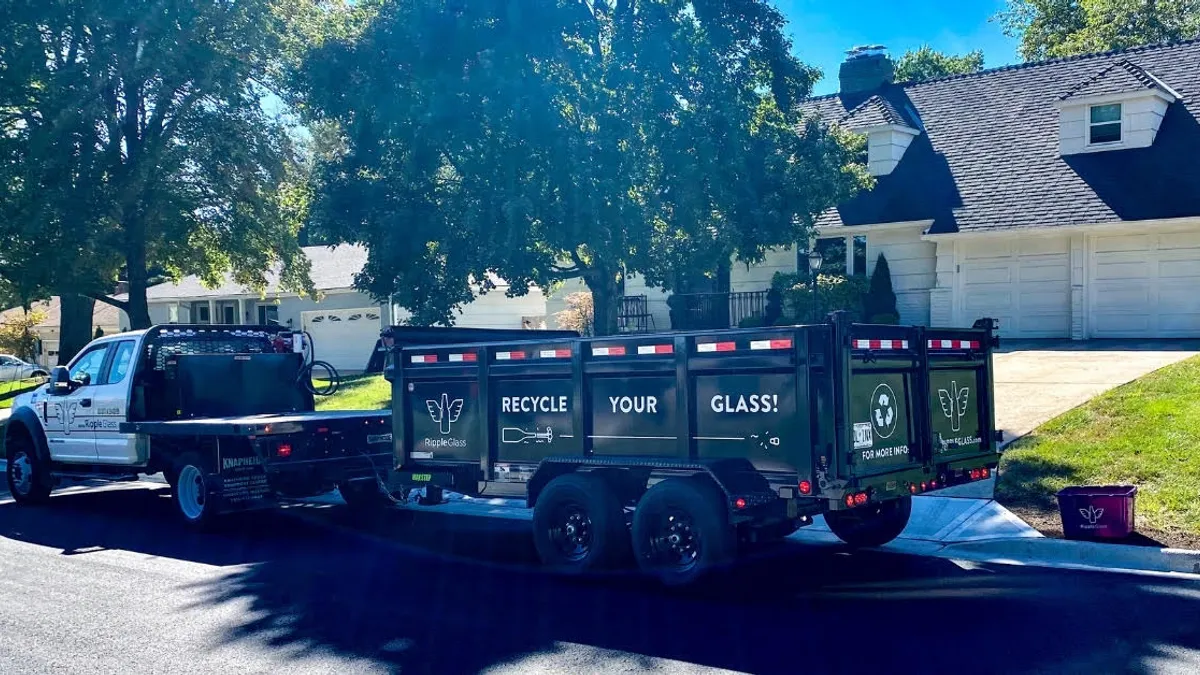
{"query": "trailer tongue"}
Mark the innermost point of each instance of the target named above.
(710, 440)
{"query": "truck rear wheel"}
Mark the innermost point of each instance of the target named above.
(871, 526)
(192, 493)
(27, 479)
(681, 530)
(579, 525)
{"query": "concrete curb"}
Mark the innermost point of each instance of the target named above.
(1084, 555)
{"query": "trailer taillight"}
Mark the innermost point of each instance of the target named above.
(284, 450)
(805, 487)
(860, 499)
(986, 472)
(739, 503)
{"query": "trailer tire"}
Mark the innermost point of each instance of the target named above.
(681, 530)
(872, 526)
(579, 525)
(192, 492)
(363, 495)
(28, 478)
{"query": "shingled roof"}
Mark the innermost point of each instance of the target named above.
(989, 155)
(876, 111)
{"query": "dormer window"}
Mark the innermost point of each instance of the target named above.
(1104, 124)
(1118, 108)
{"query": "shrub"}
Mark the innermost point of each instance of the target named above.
(834, 292)
(879, 305)
(580, 314)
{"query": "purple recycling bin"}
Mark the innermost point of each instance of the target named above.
(1097, 512)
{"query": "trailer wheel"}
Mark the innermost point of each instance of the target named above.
(27, 479)
(579, 525)
(871, 526)
(363, 495)
(191, 492)
(681, 530)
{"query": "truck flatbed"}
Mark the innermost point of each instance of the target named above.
(258, 425)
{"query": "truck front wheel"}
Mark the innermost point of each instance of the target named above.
(681, 529)
(873, 525)
(27, 479)
(579, 525)
(191, 492)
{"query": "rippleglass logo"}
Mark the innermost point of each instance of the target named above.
(444, 412)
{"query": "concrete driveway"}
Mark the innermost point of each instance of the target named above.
(1038, 380)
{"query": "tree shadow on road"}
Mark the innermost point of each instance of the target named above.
(454, 595)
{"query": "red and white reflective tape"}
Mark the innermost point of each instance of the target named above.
(771, 344)
(468, 357)
(953, 344)
(656, 349)
(424, 358)
(510, 356)
(608, 351)
(555, 353)
(710, 347)
(881, 344)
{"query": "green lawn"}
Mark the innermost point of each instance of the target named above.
(1146, 433)
(359, 392)
(10, 390)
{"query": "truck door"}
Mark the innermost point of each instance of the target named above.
(110, 406)
(68, 417)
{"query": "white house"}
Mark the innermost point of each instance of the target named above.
(343, 321)
(107, 318)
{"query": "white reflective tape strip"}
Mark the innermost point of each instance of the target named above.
(706, 347)
(608, 351)
(555, 353)
(424, 358)
(771, 344)
(656, 349)
(509, 356)
(460, 358)
(881, 344)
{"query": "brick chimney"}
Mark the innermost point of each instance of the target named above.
(865, 69)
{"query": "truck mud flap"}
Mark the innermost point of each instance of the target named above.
(241, 482)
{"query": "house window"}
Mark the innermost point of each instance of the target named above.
(835, 260)
(1104, 124)
(200, 311)
(268, 315)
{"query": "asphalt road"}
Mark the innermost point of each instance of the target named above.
(103, 582)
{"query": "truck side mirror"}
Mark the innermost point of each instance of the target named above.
(60, 381)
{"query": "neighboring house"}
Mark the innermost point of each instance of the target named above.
(1060, 197)
(343, 321)
(105, 317)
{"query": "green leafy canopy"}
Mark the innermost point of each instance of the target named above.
(539, 140)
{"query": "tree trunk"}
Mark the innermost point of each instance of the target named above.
(135, 269)
(75, 325)
(606, 300)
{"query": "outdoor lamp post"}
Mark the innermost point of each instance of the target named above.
(814, 266)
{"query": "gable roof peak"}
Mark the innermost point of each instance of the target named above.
(877, 110)
(1119, 77)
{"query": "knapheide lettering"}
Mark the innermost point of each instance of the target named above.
(533, 404)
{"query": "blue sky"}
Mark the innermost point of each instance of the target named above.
(822, 30)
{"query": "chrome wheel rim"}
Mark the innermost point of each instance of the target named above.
(190, 492)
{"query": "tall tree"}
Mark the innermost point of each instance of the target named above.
(544, 140)
(135, 137)
(925, 63)
(1051, 28)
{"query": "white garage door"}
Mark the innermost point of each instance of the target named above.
(1025, 283)
(343, 337)
(1145, 285)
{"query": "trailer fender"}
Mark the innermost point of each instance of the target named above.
(24, 420)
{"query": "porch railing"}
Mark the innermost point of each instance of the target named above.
(706, 311)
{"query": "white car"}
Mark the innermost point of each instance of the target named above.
(13, 369)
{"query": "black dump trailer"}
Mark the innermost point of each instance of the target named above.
(680, 448)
